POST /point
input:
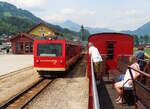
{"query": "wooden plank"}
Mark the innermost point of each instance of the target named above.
(143, 94)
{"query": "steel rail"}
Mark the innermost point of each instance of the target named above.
(15, 72)
(13, 99)
(35, 95)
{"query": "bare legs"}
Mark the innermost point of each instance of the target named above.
(118, 87)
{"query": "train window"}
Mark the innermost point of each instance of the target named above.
(49, 49)
(110, 51)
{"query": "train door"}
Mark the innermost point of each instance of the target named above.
(19, 47)
(27, 50)
(111, 54)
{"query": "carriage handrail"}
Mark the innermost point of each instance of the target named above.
(94, 88)
(143, 60)
(141, 72)
(147, 62)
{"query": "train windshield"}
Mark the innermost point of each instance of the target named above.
(49, 49)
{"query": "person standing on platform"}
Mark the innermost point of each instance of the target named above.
(96, 58)
(140, 54)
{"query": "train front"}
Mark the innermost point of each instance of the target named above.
(49, 57)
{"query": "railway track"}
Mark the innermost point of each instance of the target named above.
(15, 72)
(23, 98)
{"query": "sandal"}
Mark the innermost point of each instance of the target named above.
(117, 99)
(119, 102)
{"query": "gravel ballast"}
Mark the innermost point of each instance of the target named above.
(64, 93)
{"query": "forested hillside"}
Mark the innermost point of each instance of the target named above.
(14, 25)
(14, 20)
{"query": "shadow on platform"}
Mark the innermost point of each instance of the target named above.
(78, 69)
(107, 95)
(104, 97)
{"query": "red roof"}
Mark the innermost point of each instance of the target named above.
(20, 34)
(34, 37)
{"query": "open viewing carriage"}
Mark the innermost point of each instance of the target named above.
(116, 48)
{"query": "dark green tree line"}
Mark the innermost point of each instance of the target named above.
(14, 25)
(138, 40)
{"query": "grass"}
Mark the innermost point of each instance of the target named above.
(147, 51)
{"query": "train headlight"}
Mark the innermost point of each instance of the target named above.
(61, 61)
(37, 61)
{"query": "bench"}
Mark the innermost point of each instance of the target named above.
(128, 95)
(128, 92)
(123, 62)
(141, 91)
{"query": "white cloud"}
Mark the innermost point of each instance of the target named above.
(26, 3)
(127, 13)
(99, 26)
(54, 18)
(67, 11)
(88, 12)
(131, 12)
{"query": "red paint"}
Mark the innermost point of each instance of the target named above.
(122, 45)
(69, 55)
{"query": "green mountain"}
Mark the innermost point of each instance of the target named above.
(14, 20)
(76, 27)
(13, 25)
(141, 31)
(9, 10)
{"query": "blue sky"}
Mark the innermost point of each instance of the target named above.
(112, 14)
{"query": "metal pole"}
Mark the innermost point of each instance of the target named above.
(81, 34)
(95, 94)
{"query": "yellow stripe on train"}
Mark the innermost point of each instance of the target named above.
(49, 69)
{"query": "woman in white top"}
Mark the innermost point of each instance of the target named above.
(119, 85)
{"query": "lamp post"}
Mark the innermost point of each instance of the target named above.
(82, 32)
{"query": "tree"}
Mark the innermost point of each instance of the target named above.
(84, 33)
(136, 40)
(146, 39)
(81, 32)
(141, 40)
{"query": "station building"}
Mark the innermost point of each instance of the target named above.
(22, 43)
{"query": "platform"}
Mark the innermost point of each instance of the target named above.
(11, 62)
(107, 95)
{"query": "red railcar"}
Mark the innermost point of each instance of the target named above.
(54, 57)
(112, 45)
